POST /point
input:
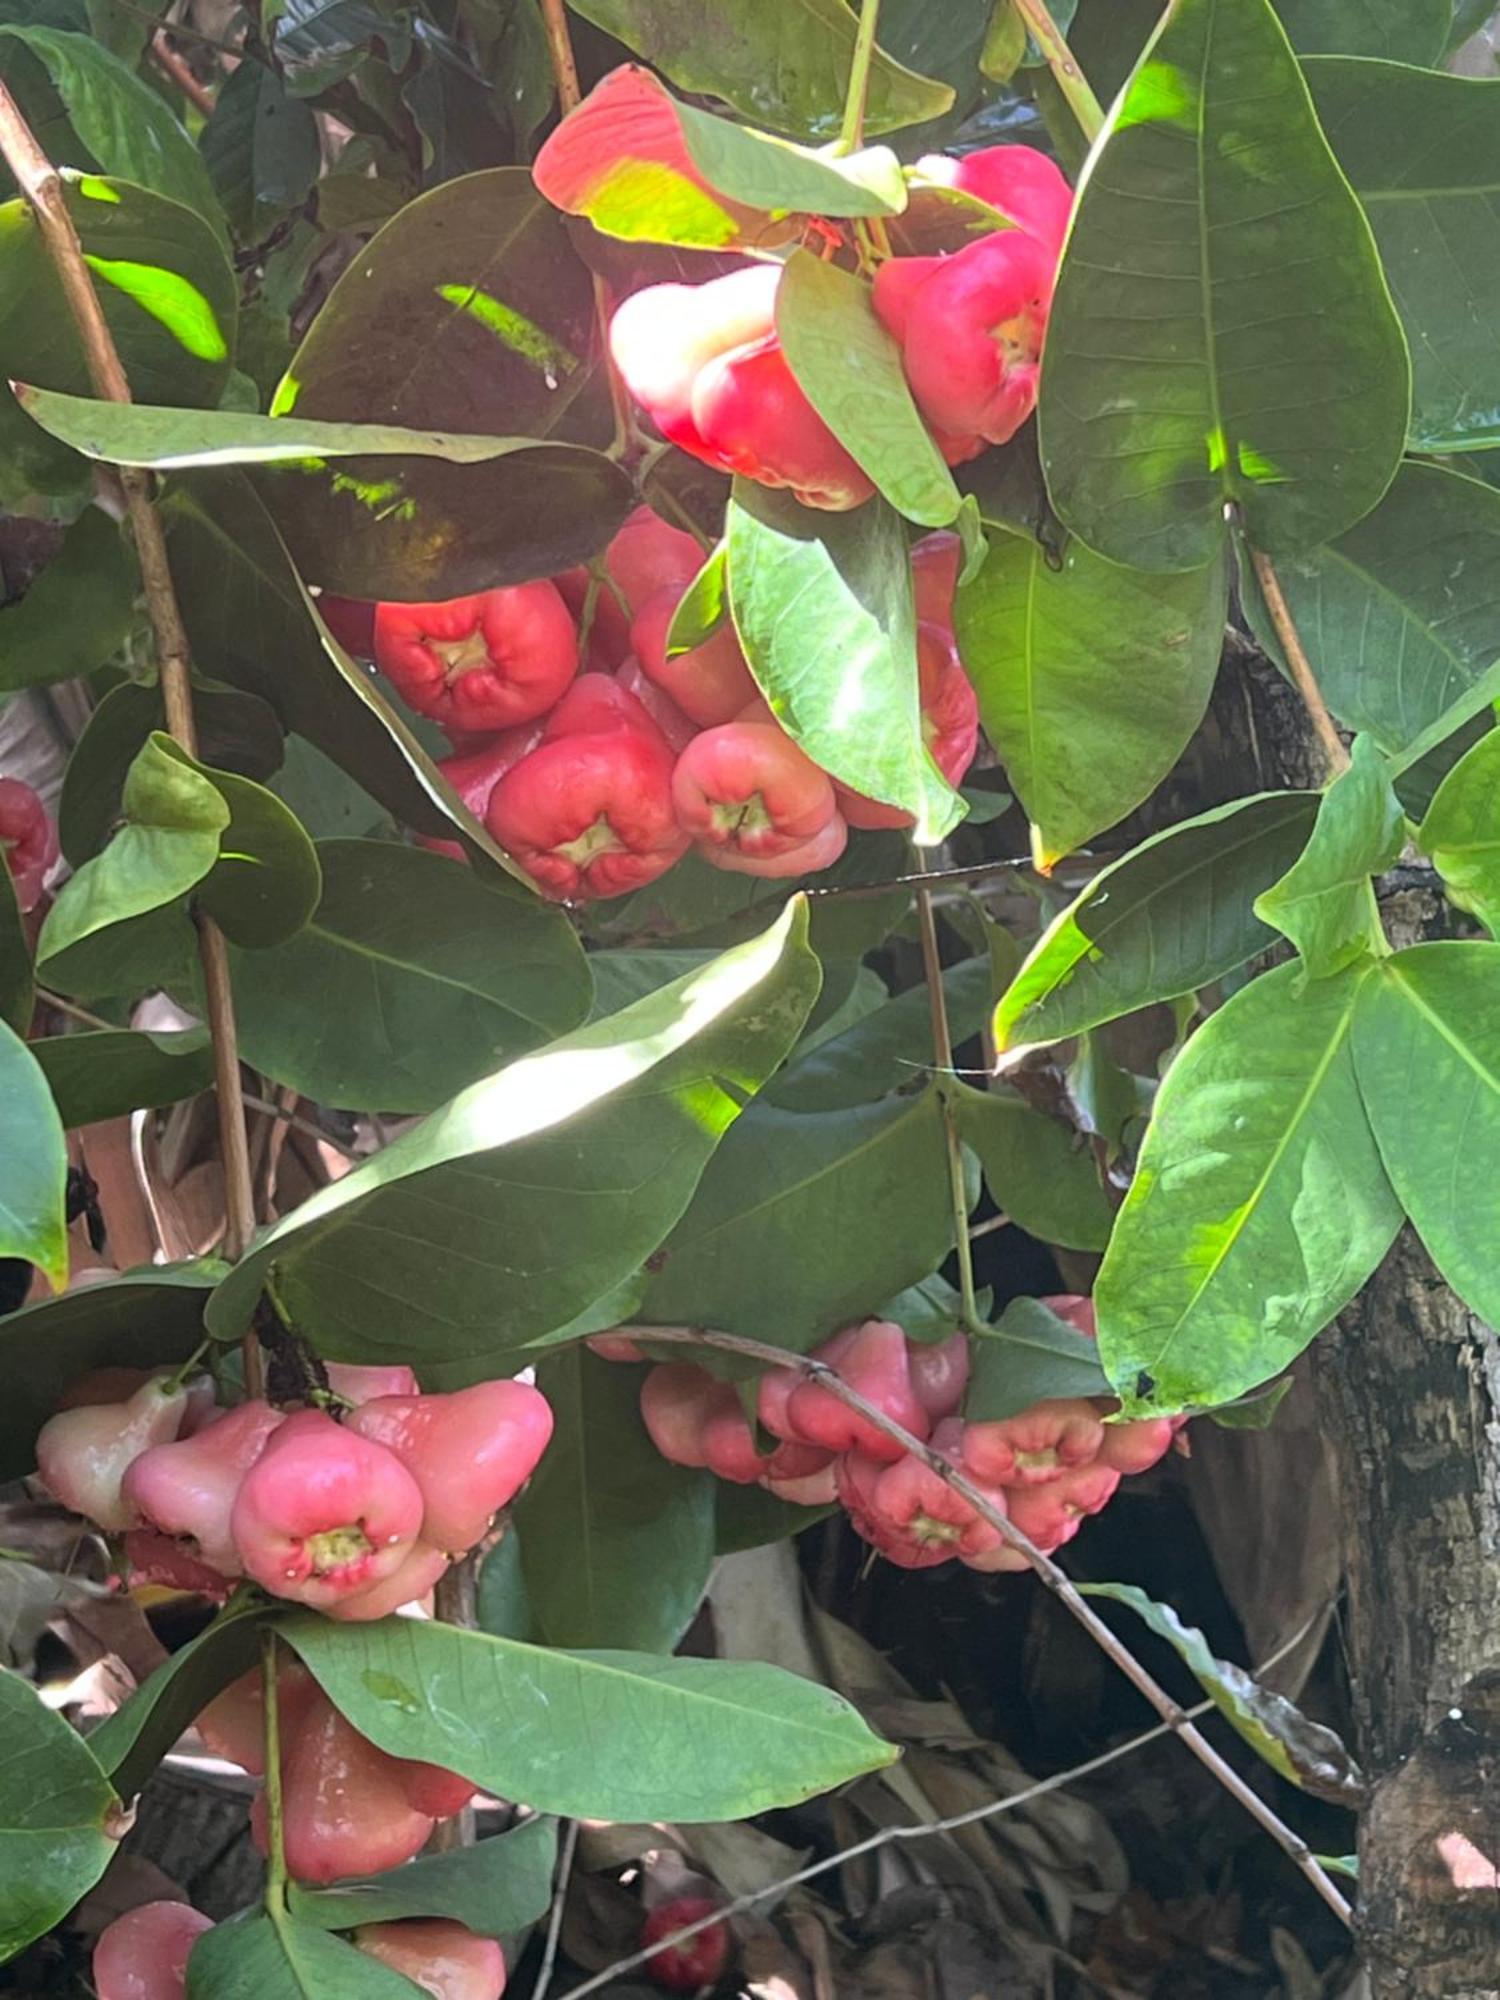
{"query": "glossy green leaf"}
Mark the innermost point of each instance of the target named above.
(1427, 1051)
(642, 165)
(1407, 31)
(1297, 1748)
(1221, 332)
(1398, 614)
(173, 817)
(132, 1741)
(428, 976)
(266, 881)
(886, 1047)
(277, 1957)
(1461, 831)
(54, 1805)
(703, 606)
(823, 607)
(33, 1163)
(1039, 1170)
(1325, 903)
(495, 1887)
(1422, 151)
(616, 1543)
(1027, 1355)
(803, 1222)
(109, 1073)
(125, 127)
(533, 1193)
(782, 66)
(1173, 915)
(261, 148)
(748, 1517)
(76, 612)
(1259, 1207)
(17, 988)
(601, 1735)
(850, 369)
(137, 1320)
(1090, 678)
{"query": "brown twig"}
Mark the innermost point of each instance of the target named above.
(942, 1054)
(1173, 1717)
(41, 184)
(454, 1603)
(1298, 664)
(555, 1918)
(172, 66)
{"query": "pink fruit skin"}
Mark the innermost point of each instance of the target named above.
(940, 1374)
(28, 841)
(233, 1726)
(912, 1516)
(358, 1382)
(345, 1806)
(155, 1558)
(143, 1955)
(411, 1583)
(677, 1400)
(324, 1513)
(647, 554)
(614, 1347)
(82, 1455)
(1039, 1445)
(1018, 180)
(1136, 1447)
(872, 1359)
(774, 1394)
(470, 1452)
(698, 1961)
(1076, 1308)
(444, 1959)
(711, 683)
(729, 1443)
(187, 1489)
(1051, 1515)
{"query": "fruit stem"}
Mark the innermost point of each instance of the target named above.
(852, 131)
(1298, 664)
(275, 1841)
(1071, 80)
(41, 184)
(942, 1051)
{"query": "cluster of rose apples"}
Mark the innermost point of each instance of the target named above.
(1045, 1468)
(28, 841)
(354, 1514)
(599, 760)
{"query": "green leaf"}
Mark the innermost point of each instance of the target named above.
(1170, 917)
(498, 1886)
(33, 1163)
(108, 1074)
(77, 611)
(505, 1215)
(174, 816)
(748, 1517)
(1029, 1354)
(1221, 332)
(850, 369)
(266, 1957)
(616, 1543)
(156, 951)
(643, 166)
(125, 126)
(703, 606)
(1427, 1051)
(1090, 678)
(1039, 1170)
(1422, 151)
(132, 1741)
(428, 976)
(1325, 903)
(782, 66)
(1297, 1748)
(54, 1804)
(17, 987)
(141, 1319)
(260, 146)
(803, 1223)
(1461, 831)
(265, 884)
(598, 1735)
(1259, 1206)
(823, 606)
(886, 1047)
(1407, 31)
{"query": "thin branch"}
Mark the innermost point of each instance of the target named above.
(852, 130)
(1071, 80)
(942, 1051)
(560, 55)
(1299, 665)
(555, 1920)
(176, 70)
(1173, 1717)
(454, 1602)
(42, 187)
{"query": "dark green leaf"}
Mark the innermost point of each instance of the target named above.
(782, 66)
(132, 1741)
(823, 606)
(17, 988)
(1462, 830)
(1259, 1206)
(278, 1958)
(54, 1803)
(1029, 1354)
(329, 803)
(76, 612)
(929, 1311)
(1408, 31)
(498, 1886)
(1423, 153)
(1325, 903)
(108, 1074)
(505, 1215)
(616, 1543)
(805, 1222)
(1090, 679)
(261, 148)
(1039, 1170)
(1174, 915)
(33, 1163)
(1427, 1050)
(886, 1047)
(747, 1517)
(1297, 1748)
(266, 881)
(1221, 332)
(155, 951)
(602, 1735)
